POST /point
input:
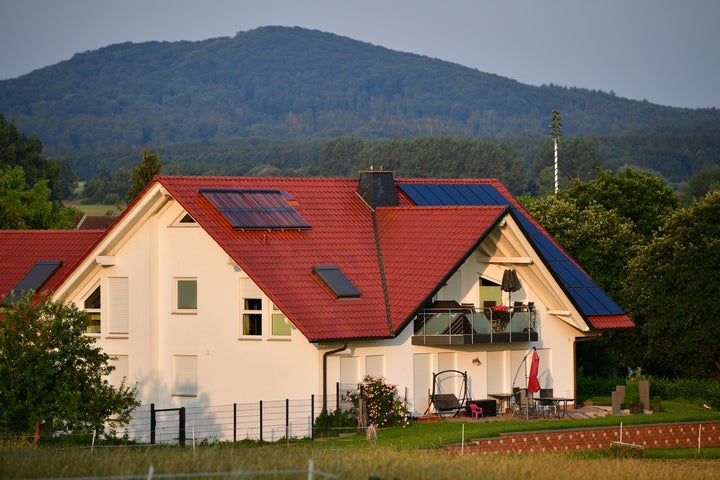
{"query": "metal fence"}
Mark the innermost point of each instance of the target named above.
(266, 421)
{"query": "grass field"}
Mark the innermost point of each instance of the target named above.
(400, 453)
(95, 210)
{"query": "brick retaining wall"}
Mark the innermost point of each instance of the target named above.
(661, 435)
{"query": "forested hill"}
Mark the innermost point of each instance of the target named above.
(298, 84)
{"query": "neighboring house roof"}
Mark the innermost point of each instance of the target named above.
(377, 249)
(95, 222)
(22, 250)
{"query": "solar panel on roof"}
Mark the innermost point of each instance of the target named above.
(335, 280)
(255, 209)
(33, 280)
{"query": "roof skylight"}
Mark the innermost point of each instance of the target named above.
(336, 281)
(33, 279)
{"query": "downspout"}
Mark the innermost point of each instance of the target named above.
(325, 355)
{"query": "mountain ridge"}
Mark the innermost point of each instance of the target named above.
(296, 84)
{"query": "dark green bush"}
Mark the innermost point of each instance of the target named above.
(330, 424)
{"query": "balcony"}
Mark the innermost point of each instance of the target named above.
(449, 323)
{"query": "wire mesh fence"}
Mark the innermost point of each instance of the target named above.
(264, 421)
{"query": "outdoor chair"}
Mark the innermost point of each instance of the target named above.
(476, 412)
(547, 409)
(525, 402)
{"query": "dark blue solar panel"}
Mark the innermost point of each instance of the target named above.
(415, 194)
(441, 194)
(255, 209)
(589, 298)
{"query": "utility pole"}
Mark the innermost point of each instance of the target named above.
(556, 133)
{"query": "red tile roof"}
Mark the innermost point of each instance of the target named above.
(342, 234)
(447, 236)
(605, 322)
(20, 249)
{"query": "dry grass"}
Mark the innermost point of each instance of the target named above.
(357, 462)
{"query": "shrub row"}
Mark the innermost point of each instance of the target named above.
(688, 389)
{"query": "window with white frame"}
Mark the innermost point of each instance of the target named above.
(280, 326)
(91, 306)
(252, 317)
(185, 377)
(186, 298)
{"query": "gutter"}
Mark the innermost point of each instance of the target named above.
(325, 356)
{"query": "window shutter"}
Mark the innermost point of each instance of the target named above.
(185, 381)
(118, 311)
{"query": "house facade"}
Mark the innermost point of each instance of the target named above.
(222, 290)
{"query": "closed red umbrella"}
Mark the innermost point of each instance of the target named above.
(533, 384)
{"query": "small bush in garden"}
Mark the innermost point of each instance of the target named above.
(383, 405)
(329, 424)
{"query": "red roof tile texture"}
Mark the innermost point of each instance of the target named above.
(20, 249)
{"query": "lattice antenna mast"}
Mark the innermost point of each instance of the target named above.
(556, 133)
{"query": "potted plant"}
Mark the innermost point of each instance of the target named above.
(500, 318)
(632, 396)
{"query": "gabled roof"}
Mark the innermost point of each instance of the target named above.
(343, 233)
(21, 250)
(590, 300)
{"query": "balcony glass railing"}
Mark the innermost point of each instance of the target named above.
(469, 325)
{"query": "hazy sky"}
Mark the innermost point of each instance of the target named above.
(664, 51)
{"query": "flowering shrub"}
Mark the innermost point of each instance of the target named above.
(383, 405)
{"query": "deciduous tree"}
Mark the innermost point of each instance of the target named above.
(674, 293)
(52, 375)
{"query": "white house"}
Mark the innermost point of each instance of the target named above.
(221, 290)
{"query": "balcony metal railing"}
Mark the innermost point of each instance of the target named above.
(469, 325)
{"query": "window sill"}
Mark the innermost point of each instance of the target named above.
(118, 336)
(184, 312)
(279, 339)
(183, 394)
(251, 338)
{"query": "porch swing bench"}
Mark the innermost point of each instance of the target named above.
(448, 403)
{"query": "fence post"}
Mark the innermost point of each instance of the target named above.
(287, 420)
(312, 416)
(234, 422)
(181, 426)
(261, 425)
(337, 396)
(152, 424)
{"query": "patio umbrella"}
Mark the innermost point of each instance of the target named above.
(533, 384)
(510, 283)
